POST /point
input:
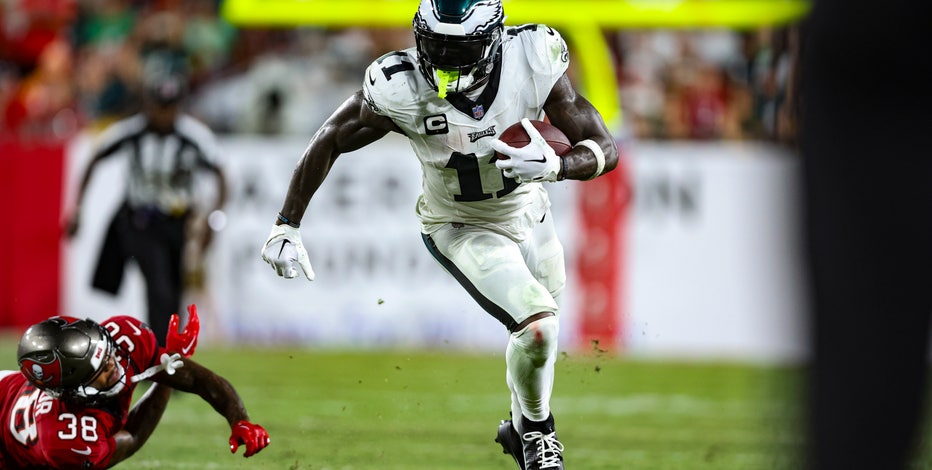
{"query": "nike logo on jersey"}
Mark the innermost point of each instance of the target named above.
(86, 451)
(136, 331)
(371, 80)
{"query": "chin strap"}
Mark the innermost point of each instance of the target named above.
(89, 392)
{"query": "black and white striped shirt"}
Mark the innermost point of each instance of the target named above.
(161, 166)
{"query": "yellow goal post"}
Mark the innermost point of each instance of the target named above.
(581, 21)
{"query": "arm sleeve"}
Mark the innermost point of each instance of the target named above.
(549, 58)
(389, 86)
(371, 92)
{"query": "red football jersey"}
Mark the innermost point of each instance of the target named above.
(43, 432)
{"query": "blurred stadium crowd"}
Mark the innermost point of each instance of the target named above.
(711, 84)
(69, 64)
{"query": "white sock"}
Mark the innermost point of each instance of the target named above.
(530, 358)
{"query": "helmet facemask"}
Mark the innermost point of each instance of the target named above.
(456, 52)
(89, 395)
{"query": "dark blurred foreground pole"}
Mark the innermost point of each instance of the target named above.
(867, 155)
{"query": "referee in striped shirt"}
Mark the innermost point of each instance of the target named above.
(165, 148)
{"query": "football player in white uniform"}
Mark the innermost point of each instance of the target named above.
(484, 219)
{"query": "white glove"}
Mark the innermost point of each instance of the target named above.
(536, 161)
(283, 249)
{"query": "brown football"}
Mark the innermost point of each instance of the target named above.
(516, 136)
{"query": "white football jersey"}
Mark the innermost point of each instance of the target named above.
(451, 136)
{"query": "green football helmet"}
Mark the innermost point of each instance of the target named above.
(457, 42)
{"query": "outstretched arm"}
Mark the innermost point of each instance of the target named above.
(206, 232)
(74, 219)
(214, 389)
(142, 420)
(352, 126)
(580, 121)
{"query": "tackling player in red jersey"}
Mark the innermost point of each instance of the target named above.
(69, 405)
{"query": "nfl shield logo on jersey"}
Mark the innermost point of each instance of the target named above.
(478, 111)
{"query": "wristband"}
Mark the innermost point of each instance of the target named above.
(599, 156)
(287, 221)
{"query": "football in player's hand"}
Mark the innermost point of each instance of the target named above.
(517, 137)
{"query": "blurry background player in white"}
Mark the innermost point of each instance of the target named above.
(165, 148)
(485, 220)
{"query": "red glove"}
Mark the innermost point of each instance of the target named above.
(250, 435)
(186, 341)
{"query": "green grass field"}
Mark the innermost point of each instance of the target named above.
(439, 410)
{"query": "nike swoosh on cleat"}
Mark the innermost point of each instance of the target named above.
(86, 451)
